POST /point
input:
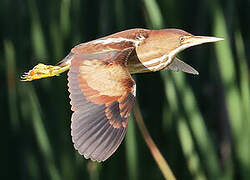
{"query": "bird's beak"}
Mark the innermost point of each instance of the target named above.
(190, 41)
(196, 40)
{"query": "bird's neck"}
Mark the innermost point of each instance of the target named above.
(150, 63)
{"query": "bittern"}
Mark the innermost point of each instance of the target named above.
(102, 91)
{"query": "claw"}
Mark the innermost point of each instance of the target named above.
(43, 71)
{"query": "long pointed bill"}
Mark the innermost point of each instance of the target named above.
(196, 40)
(192, 41)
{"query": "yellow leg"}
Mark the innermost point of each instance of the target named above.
(44, 71)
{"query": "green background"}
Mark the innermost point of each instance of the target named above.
(201, 124)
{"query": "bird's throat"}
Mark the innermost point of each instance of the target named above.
(136, 65)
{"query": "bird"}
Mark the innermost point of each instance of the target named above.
(102, 90)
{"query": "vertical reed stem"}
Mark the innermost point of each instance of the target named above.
(161, 162)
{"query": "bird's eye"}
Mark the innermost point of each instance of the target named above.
(182, 38)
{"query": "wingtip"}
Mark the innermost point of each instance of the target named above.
(196, 72)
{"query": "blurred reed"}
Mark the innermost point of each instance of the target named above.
(201, 136)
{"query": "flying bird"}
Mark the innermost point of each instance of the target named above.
(102, 91)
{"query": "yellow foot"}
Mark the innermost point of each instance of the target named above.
(43, 71)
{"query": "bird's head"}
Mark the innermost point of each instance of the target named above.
(167, 43)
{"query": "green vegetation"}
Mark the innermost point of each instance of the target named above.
(201, 124)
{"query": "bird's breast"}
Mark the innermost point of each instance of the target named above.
(147, 62)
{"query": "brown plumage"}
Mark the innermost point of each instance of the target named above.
(102, 91)
(100, 86)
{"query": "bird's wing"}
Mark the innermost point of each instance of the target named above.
(178, 65)
(102, 94)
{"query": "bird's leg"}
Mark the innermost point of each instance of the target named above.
(44, 71)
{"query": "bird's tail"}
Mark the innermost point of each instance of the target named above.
(43, 71)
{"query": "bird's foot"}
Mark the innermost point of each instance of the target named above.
(43, 71)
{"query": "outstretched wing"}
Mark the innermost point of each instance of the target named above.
(102, 95)
(178, 65)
